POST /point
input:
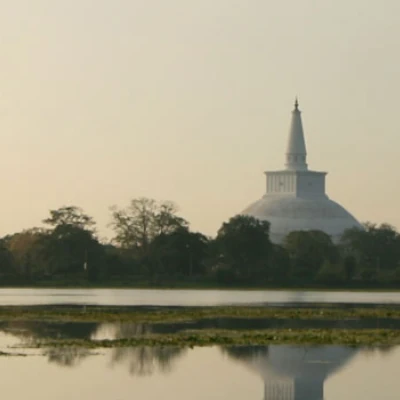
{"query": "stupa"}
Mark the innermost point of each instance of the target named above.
(295, 198)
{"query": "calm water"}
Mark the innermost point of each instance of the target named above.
(168, 373)
(232, 373)
(137, 297)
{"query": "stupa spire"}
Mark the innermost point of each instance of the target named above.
(296, 154)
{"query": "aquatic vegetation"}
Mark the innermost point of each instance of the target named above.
(205, 335)
(221, 337)
(178, 314)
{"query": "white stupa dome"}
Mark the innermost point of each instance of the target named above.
(287, 214)
(296, 199)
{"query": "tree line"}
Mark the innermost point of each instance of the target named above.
(154, 246)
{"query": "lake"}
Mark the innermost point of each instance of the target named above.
(157, 297)
(277, 372)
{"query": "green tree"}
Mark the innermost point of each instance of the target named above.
(71, 216)
(330, 273)
(350, 267)
(308, 250)
(121, 263)
(376, 249)
(244, 246)
(279, 264)
(138, 224)
(180, 252)
(27, 250)
(71, 246)
(7, 265)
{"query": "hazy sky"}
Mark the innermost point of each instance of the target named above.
(102, 101)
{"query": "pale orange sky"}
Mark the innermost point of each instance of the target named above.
(102, 101)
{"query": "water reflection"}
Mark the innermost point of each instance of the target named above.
(291, 372)
(147, 360)
(32, 330)
(285, 372)
(154, 297)
(67, 356)
(295, 372)
(288, 372)
(138, 360)
(121, 330)
(113, 331)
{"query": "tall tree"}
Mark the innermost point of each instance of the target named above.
(279, 264)
(138, 224)
(7, 265)
(70, 216)
(375, 248)
(180, 252)
(308, 250)
(71, 245)
(244, 246)
(26, 248)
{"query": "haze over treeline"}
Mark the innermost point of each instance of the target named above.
(153, 245)
(190, 100)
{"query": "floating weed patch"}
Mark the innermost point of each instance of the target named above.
(165, 314)
(215, 337)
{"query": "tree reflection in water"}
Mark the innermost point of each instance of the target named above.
(299, 370)
(120, 330)
(139, 360)
(35, 330)
(68, 356)
(143, 361)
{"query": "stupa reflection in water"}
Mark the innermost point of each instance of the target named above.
(293, 372)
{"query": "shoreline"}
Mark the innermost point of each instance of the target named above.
(207, 288)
